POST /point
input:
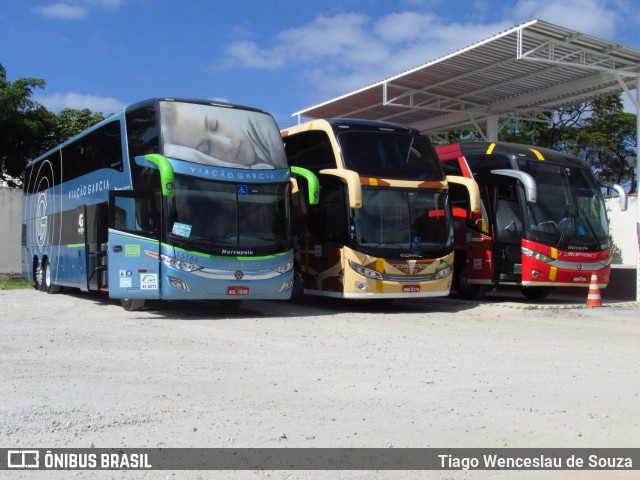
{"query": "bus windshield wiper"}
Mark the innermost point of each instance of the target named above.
(585, 219)
(569, 217)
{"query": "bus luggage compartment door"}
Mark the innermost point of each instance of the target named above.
(134, 248)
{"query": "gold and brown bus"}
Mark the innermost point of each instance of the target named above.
(383, 227)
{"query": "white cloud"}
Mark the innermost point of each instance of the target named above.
(75, 9)
(324, 39)
(77, 101)
(594, 17)
(345, 52)
(62, 10)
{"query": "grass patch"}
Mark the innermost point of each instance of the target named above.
(10, 282)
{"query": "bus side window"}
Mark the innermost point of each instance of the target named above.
(311, 149)
(136, 215)
(329, 218)
(120, 222)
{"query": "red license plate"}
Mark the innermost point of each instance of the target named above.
(411, 288)
(237, 290)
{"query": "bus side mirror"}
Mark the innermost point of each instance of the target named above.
(472, 189)
(622, 195)
(313, 185)
(527, 181)
(352, 179)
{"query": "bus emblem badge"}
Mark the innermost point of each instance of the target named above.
(42, 222)
(239, 275)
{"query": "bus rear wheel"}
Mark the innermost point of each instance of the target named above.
(468, 290)
(132, 304)
(47, 286)
(37, 275)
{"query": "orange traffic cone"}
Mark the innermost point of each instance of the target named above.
(593, 299)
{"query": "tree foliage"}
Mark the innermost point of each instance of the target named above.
(24, 125)
(607, 139)
(600, 131)
(28, 129)
(70, 122)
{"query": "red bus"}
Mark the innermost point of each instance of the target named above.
(542, 221)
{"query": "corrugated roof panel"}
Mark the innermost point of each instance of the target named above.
(556, 66)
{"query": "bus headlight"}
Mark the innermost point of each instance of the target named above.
(365, 272)
(445, 272)
(537, 255)
(286, 286)
(177, 283)
(283, 268)
(179, 264)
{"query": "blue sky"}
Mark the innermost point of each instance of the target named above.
(281, 56)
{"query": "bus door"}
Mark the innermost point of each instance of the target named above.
(507, 250)
(134, 245)
(92, 222)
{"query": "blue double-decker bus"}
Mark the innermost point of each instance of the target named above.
(169, 199)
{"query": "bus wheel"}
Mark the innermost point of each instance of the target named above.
(297, 292)
(47, 286)
(468, 290)
(37, 276)
(536, 293)
(132, 304)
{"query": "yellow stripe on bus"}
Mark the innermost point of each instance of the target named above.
(552, 274)
(554, 253)
(490, 149)
(537, 154)
(380, 268)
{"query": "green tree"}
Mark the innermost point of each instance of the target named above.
(599, 131)
(606, 139)
(552, 130)
(70, 122)
(24, 125)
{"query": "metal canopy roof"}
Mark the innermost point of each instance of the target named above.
(523, 72)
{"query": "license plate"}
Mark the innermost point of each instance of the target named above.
(411, 288)
(237, 290)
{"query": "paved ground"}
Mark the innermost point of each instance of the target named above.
(78, 371)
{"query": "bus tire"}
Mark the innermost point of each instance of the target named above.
(47, 286)
(37, 275)
(468, 290)
(297, 291)
(132, 304)
(536, 293)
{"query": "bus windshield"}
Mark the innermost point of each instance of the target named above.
(221, 136)
(390, 155)
(220, 217)
(570, 211)
(398, 219)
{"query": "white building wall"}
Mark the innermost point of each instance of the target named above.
(10, 230)
(622, 226)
